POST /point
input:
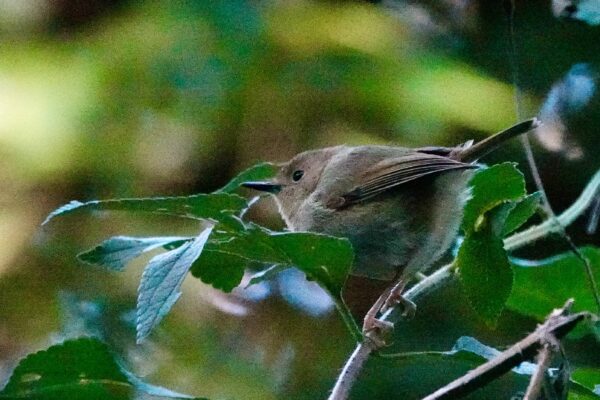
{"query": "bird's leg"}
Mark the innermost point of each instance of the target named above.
(395, 297)
(373, 328)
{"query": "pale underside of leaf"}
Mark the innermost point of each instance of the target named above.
(161, 282)
(117, 251)
(199, 206)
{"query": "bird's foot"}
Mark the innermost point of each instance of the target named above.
(377, 331)
(409, 309)
(395, 298)
(374, 329)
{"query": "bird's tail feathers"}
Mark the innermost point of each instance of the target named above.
(469, 152)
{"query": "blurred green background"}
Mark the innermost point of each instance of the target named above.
(113, 98)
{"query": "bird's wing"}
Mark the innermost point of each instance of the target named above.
(436, 150)
(445, 151)
(393, 172)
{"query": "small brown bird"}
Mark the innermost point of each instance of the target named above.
(400, 208)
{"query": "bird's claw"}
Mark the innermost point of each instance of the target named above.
(377, 331)
(409, 309)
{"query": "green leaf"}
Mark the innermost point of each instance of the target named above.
(540, 286)
(588, 378)
(252, 243)
(257, 172)
(117, 251)
(497, 217)
(199, 206)
(522, 211)
(485, 272)
(491, 187)
(161, 282)
(224, 271)
(493, 210)
(234, 246)
(80, 369)
(579, 392)
(324, 259)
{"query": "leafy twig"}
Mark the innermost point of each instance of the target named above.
(534, 168)
(579, 206)
(556, 224)
(556, 326)
(440, 277)
(363, 350)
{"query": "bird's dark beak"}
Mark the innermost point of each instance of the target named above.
(265, 186)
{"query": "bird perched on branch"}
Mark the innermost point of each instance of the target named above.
(399, 207)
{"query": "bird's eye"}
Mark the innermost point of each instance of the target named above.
(297, 175)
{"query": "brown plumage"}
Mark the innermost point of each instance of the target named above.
(400, 208)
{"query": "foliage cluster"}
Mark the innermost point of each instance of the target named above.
(228, 246)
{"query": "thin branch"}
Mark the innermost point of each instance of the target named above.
(550, 345)
(594, 216)
(353, 366)
(363, 350)
(557, 325)
(537, 379)
(518, 98)
(534, 233)
(442, 276)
